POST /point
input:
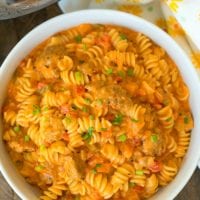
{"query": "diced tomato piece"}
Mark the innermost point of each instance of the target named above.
(64, 109)
(110, 117)
(138, 189)
(40, 85)
(96, 159)
(106, 134)
(156, 167)
(118, 79)
(65, 137)
(104, 168)
(80, 89)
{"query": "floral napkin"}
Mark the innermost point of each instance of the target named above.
(179, 18)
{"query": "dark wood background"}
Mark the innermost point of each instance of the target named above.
(11, 31)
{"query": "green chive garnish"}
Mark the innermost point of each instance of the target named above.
(134, 120)
(78, 38)
(118, 119)
(109, 71)
(122, 138)
(98, 165)
(130, 72)
(186, 120)
(16, 129)
(104, 129)
(139, 172)
(154, 138)
(122, 74)
(42, 147)
(87, 100)
(85, 109)
(88, 135)
(168, 119)
(26, 138)
(85, 47)
(123, 36)
(36, 110)
(68, 120)
(78, 76)
(39, 168)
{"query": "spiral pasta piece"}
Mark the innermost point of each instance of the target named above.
(166, 117)
(100, 183)
(75, 140)
(111, 152)
(54, 191)
(151, 186)
(119, 43)
(167, 173)
(125, 58)
(144, 45)
(54, 154)
(182, 143)
(70, 77)
(24, 89)
(65, 64)
(55, 99)
(98, 124)
(122, 175)
(10, 117)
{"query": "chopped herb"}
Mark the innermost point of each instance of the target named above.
(42, 147)
(98, 165)
(122, 138)
(123, 36)
(154, 138)
(88, 135)
(36, 110)
(91, 117)
(104, 129)
(134, 120)
(39, 168)
(16, 129)
(87, 100)
(26, 138)
(46, 108)
(139, 172)
(130, 72)
(166, 102)
(78, 38)
(94, 171)
(74, 107)
(109, 71)
(78, 76)
(118, 119)
(168, 119)
(85, 109)
(68, 120)
(90, 130)
(85, 47)
(131, 184)
(186, 120)
(99, 102)
(122, 74)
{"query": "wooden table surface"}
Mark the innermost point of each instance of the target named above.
(11, 31)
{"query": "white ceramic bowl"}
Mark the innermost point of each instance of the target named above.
(40, 33)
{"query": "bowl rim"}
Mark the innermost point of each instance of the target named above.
(107, 13)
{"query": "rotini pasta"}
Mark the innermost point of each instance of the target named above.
(97, 112)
